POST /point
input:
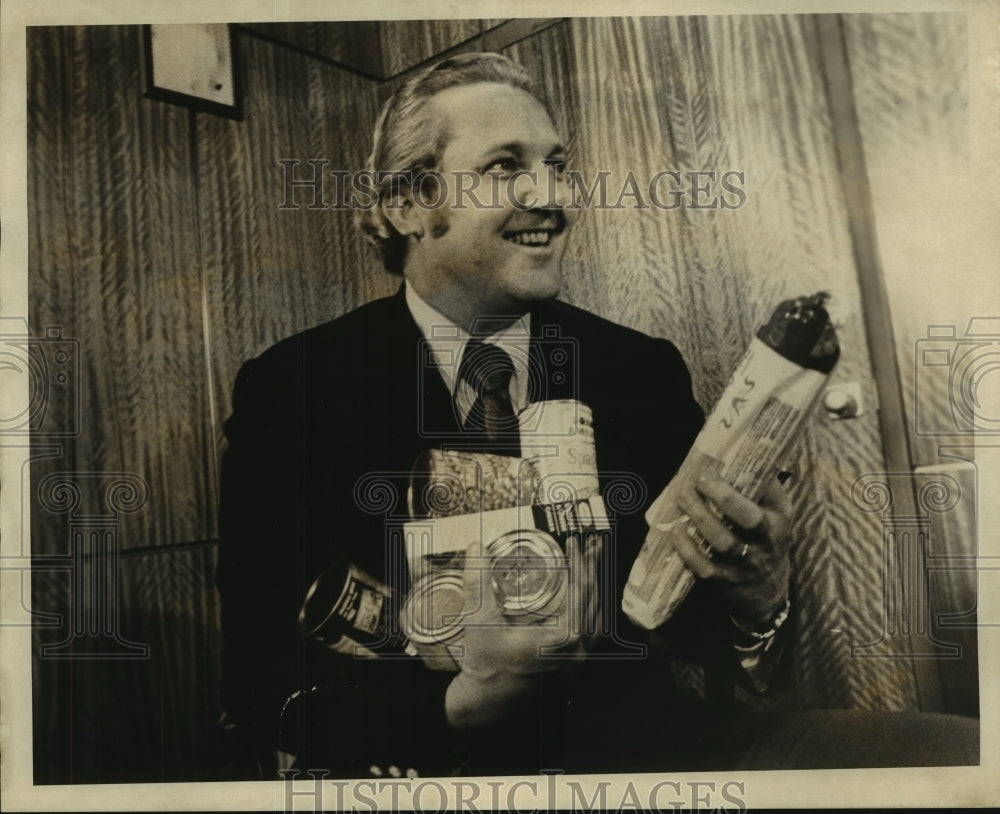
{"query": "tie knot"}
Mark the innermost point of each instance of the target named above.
(486, 367)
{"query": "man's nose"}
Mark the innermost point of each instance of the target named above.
(544, 186)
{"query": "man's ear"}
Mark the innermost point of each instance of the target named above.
(399, 210)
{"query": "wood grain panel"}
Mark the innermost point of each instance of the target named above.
(948, 494)
(105, 720)
(505, 34)
(113, 261)
(744, 94)
(406, 43)
(509, 32)
(355, 44)
(910, 75)
(52, 746)
(271, 272)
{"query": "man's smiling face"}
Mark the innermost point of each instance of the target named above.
(501, 250)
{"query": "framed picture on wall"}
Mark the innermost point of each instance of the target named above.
(192, 65)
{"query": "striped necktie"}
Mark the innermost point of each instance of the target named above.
(488, 369)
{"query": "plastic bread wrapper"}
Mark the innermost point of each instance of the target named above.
(754, 423)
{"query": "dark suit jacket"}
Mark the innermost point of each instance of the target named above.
(324, 431)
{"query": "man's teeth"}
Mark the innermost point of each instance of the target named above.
(530, 238)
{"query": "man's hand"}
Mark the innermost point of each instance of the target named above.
(747, 547)
(502, 654)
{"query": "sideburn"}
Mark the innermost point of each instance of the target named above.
(430, 193)
(439, 223)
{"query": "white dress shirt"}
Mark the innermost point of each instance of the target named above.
(447, 342)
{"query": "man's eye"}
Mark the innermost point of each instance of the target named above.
(558, 164)
(507, 164)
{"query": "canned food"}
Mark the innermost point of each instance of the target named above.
(444, 483)
(431, 618)
(558, 437)
(348, 610)
(571, 517)
(528, 571)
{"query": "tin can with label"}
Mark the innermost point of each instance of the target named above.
(432, 618)
(528, 573)
(349, 611)
(558, 437)
(444, 483)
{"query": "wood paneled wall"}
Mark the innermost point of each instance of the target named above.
(910, 75)
(102, 718)
(114, 261)
(271, 272)
(699, 94)
(356, 46)
(911, 85)
(380, 49)
(157, 241)
(408, 42)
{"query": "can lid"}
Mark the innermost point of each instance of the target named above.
(528, 570)
(322, 600)
(432, 611)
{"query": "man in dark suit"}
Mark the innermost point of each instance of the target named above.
(326, 425)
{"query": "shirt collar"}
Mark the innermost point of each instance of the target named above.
(447, 343)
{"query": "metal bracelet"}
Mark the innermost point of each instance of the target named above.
(759, 638)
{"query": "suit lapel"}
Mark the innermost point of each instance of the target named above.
(429, 409)
(553, 358)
